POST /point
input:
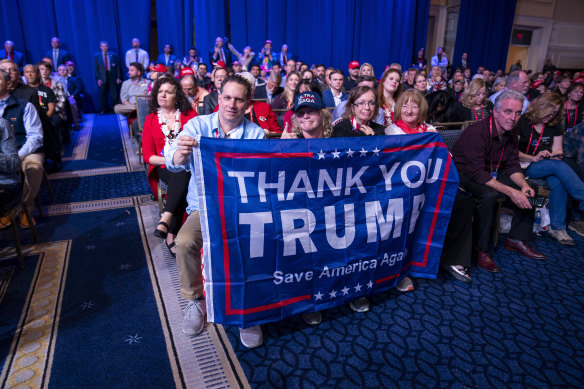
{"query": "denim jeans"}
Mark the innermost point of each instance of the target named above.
(562, 181)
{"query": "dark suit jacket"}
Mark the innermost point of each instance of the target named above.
(228, 59)
(18, 58)
(329, 100)
(100, 70)
(74, 86)
(63, 57)
(209, 103)
(262, 93)
(171, 60)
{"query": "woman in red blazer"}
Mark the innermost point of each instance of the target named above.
(170, 112)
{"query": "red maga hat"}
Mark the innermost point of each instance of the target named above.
(186, 71)
(221, 64)
(354, 64)
(158, 68)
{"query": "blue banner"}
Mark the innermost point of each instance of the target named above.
(293, 226)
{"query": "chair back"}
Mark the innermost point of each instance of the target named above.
(450, 137)
(199, 107)
(142, 109)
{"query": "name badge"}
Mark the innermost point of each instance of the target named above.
(494, 175)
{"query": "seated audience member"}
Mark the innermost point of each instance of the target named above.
(333, 96)
(388, 91)
(234, 93)
(167, 58)
(420, 62)
(237, 67)
(192, 59)
(136, 54)
(28, 132)
(136, 85)
(327, 80)
(440, 106)
(17, 88)
(59, 118)
(285, 100)
(246, 58)
(421, 84)
(12, 55)
(436, 82)
(462, 63)
(410, 115)
(73, 89)
(210, 101)
(57, 54)
(9, 168)
(46, 97)
(516, 81)
(563, 85)
(487, 159)
(219, 53)
(284, 56)
(573, 107)
(307, 75)
(365, 70)
(541, 149)
(499, 84)
(255, 72)
(302, 67)
(361, 81)
(203, 80)
(319, 75)
(536, 89)
(170, 112)
(191, 90)
(259, 112)
(357, 120)
(350, 81)
(473, 104)
(457, 89)
(155, 71)
(409, 79)
(303, 86)
(269, 90)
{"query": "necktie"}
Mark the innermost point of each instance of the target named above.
(223, 56)
(285, 60)
(136, 55)
(55, 57)
(105, 61)
(11, 56)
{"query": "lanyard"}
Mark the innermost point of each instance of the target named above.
(502, 151)
(251, 113)
(568, 115)
(477, 116)
(218, 132)
(356, 126)
(530, 137)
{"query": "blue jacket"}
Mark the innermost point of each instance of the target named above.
(18, 58)
(171, 60)
(100, 66)
(61, 59)
(328, 99)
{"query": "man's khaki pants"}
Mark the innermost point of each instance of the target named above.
(189, 242)
(32, 167)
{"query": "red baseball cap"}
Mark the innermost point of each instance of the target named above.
(536, 83)
(158, 68)
(221, 64)
(579, 80)
(354, 64)
(69, 63)
(268, 41)
(186, 71)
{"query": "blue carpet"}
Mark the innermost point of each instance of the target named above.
(107, 186)
(110, 333)
(105, 148)
(520, 328)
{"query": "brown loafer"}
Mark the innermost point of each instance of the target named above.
(485, 261)
(523, 249)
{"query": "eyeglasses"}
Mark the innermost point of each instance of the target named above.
(362, 104)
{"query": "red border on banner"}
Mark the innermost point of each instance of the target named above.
(279, 304)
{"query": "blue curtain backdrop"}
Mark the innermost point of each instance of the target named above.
(484, 32)
(318, 31)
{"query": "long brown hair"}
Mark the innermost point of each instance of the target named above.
(380, 95)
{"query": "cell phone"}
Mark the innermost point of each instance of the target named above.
(536, 202)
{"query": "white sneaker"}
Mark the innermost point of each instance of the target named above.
(194, 317)
(312, 318)
(251, 337)
(562, 237)
(405, 285)
(360, 305)
(577, 226)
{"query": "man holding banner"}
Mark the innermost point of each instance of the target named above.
(227, 123)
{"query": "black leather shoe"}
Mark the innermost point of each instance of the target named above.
(159, 233)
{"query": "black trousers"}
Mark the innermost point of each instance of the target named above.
(486, 206)
(458, 241)
(108, 86)
(176, 195)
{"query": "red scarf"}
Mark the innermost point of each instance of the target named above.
(422, 127)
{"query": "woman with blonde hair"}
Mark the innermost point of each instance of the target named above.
(286, 100)
(388, 91)
(310, 118)
(411, 110)
(473, 104)
(366, 70)
(541, 153)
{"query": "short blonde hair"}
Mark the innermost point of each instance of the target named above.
(325, 118)
(366, 64)
(416, 97)
(470, 92)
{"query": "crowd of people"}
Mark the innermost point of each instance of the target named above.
(524, 126)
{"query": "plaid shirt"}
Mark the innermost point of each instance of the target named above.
(59, 91)
(574, 144)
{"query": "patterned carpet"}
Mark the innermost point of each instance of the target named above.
(98, 305)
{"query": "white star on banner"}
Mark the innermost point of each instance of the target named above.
(345, 291)
(370, 284)
(333, 294)
(358, 288)
(321, 154)
(376, 150)
(336, 154)
(363, 152)
(318, 296)
(350, 153)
